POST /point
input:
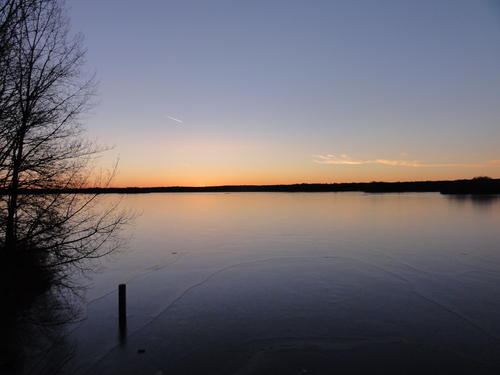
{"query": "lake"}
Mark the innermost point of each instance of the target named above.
(294, 283)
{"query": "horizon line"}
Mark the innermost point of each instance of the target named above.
(299, 183)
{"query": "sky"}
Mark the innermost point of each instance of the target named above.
(200, 93)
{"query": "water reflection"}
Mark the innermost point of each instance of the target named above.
(34, 341)
(122, 333)
(480, 199)
(232, 283)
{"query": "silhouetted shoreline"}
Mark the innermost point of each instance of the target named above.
(478, 185)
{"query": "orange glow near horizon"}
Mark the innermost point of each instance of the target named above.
(343, 174)
(250, 162)
(239, 94)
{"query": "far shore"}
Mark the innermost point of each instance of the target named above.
(478, 185)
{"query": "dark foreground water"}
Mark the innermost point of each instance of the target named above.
(316, 283)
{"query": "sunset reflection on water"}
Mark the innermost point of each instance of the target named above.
(217, 278)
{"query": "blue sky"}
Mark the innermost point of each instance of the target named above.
(294, 91)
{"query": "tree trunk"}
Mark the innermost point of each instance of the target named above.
(10, 231)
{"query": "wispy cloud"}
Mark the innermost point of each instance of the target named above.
(344, 159)
(172, 118)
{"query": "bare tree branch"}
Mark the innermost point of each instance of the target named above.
(44, 93)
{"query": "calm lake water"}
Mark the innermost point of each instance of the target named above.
(292, 283)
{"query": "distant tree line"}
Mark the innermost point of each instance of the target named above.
(477, 185)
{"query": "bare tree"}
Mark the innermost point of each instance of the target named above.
(43, 150)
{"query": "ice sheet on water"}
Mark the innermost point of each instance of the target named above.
(295, 287)
(218, 277)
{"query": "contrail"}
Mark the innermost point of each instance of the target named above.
(172, 118)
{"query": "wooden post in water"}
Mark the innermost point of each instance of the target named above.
(122, 305)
